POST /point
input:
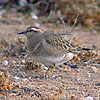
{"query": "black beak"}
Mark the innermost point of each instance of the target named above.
(22, 33)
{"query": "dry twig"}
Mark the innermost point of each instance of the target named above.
(65, 32)
(91, 62)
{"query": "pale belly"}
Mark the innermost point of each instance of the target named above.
(50, 61)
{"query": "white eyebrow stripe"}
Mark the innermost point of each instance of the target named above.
(37, 46)
(34, 29)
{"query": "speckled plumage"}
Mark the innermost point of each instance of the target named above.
(49, 48)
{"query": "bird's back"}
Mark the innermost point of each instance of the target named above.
(58, 42)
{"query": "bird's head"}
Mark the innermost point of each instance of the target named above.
(31, 31)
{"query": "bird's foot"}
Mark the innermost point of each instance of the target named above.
(49, 73)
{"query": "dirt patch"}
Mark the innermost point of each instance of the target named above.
(66, 83)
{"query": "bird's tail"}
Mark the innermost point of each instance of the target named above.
(78, 49)
(81, 49)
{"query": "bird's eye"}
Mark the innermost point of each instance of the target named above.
(29, 29)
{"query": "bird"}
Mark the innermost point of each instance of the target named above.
(49, 48)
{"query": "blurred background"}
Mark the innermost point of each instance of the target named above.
(46, 11)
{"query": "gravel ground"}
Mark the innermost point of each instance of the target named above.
(66, 83)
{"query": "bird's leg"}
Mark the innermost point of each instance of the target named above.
(47, 70)
(46, 74)
(53, 69)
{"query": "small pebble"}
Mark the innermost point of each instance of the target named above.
(33, 15)
(5, 62)
(60, 77)
(37, 24)
(36, 76)
(46, 68)
(94, 69)
(17, 77)
(42, 77)
(53, 76)
(30, 78)
(77, 79)
(23, 61)
(97, 84)
(89, 76)
(89, 98)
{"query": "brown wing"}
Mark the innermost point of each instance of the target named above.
(59, 42)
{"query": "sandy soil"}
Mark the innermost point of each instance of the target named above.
(66, 83)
